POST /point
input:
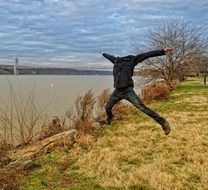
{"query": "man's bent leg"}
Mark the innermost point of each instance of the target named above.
(134, 99)
(113, 99)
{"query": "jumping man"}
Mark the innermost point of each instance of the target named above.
(123, 70)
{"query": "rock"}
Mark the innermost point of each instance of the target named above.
(96, 126)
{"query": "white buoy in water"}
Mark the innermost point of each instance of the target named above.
(52, 85)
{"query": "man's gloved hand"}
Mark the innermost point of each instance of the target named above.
(168, 50)
(101, 52)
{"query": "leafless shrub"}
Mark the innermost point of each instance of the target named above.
(71, 116)
(83, 140)
(51, 128)
(19, 118)
(156, 91)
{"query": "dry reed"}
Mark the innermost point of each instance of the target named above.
(19, 118)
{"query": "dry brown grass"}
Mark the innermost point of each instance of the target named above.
(84, 140)
(10, 179)
(102, 98)
(84, 106)
(145, 154)
(140, 155)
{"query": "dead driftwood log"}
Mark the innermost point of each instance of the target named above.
(22, 158)
(16, 163)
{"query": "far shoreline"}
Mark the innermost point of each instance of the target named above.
(9, 70)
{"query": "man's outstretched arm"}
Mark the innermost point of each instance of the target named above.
(141, 57)
(108, 56)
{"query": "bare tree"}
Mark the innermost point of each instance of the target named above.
(194, 65)
(187, 41)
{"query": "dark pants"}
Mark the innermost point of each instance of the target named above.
(130, 95)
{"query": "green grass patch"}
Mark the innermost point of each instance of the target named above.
(182, 161)
(144, 185)
(194, 178)
(56, 173)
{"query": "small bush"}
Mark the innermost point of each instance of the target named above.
(157, 91)
(84, 112)
(51, 128)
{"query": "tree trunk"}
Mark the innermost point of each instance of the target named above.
(205, 74)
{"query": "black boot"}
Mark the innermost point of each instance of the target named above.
(109, 119)
(166, 127)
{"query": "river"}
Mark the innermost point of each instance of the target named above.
(54, 93)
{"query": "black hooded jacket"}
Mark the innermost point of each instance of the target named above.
(123, 67)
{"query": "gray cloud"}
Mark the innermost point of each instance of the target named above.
(51, 31)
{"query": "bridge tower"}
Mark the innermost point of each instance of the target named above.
(16, 63)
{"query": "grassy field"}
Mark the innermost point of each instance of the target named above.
(134, 153)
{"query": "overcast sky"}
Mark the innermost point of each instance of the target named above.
(70, 32)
